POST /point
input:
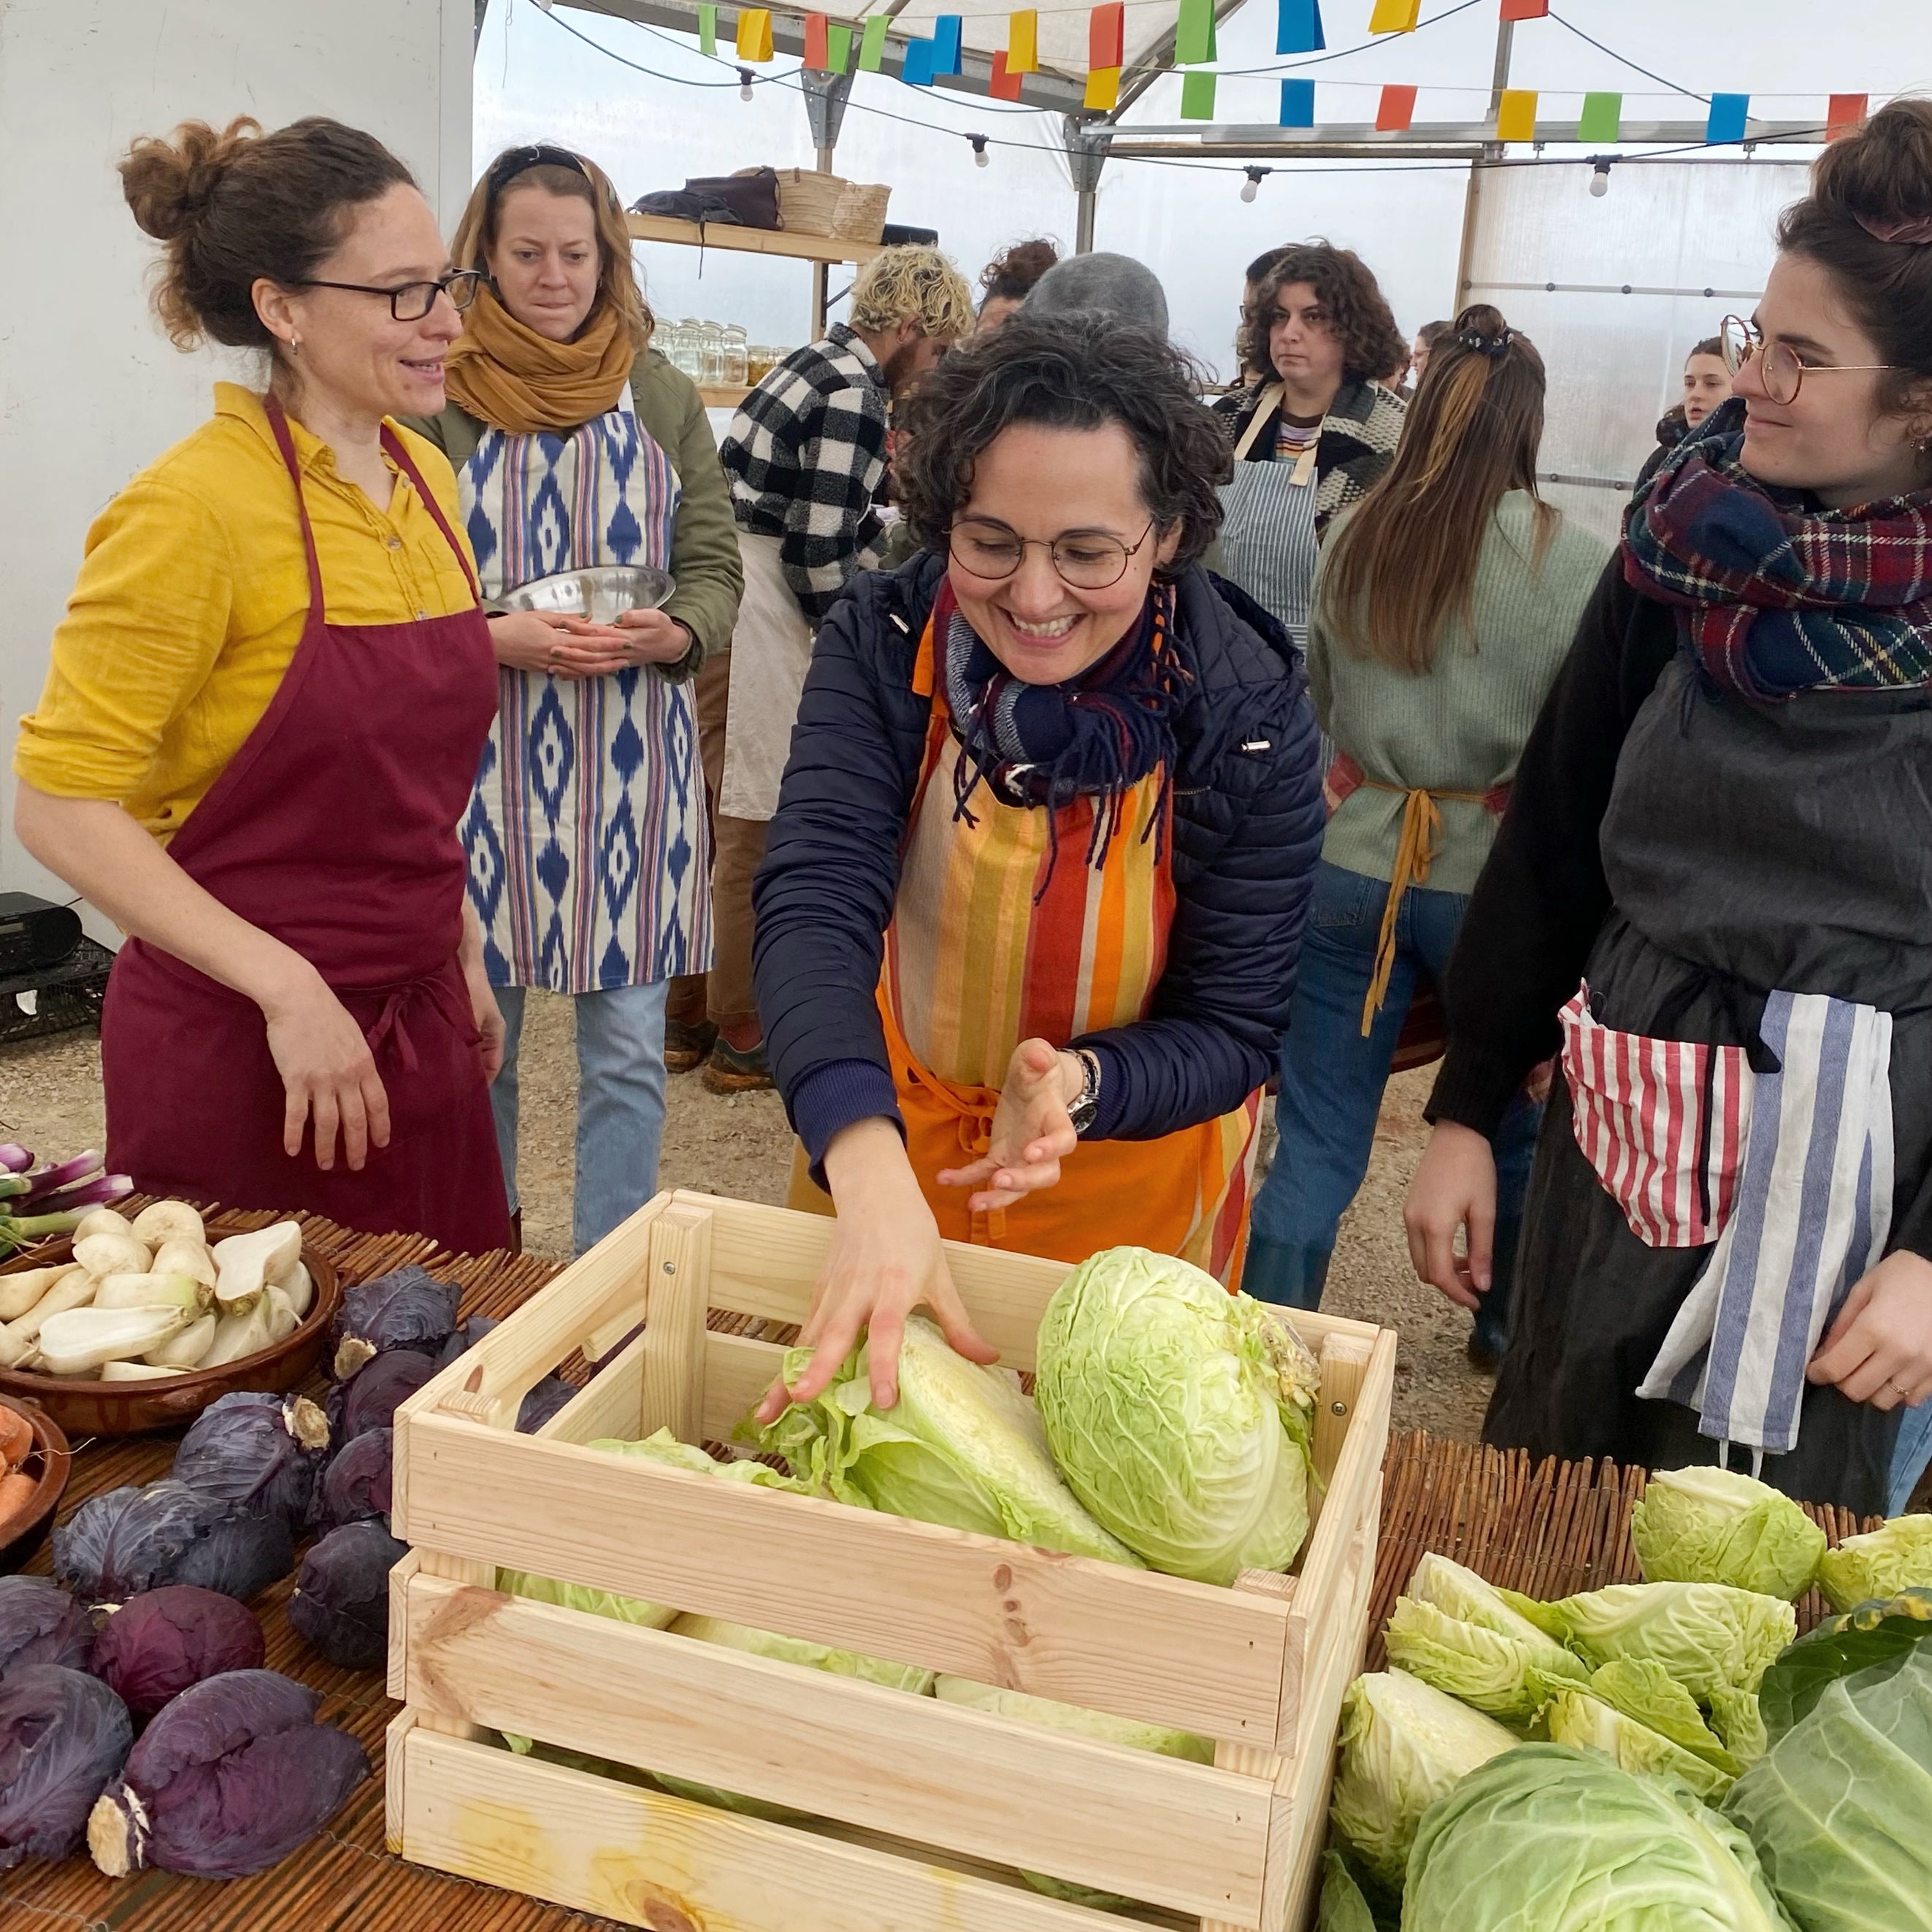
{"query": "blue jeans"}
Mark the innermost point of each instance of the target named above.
(620, 1102)
(1332, 1079)
(1911, 1456)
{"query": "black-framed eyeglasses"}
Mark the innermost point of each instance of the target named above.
(1781, 370)
(410, 302)
(1083, 561)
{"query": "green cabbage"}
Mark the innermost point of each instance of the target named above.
(664, 1447)
(1343, 1907)
(1549, 1839)
(1710, 1525)
(1880, 1564)
(1852, 1641)
(1081, 1723)
(1709, 1637)
(1647, 1693)
(1841, 1807)
(962, 1447)
(1467, 1638)
(1575, 1717)
(1404, 1745)
(1180, 1414)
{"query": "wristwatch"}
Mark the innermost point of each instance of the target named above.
(1084, 1109)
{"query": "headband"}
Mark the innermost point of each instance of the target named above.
(514, 161)
(1915, 233)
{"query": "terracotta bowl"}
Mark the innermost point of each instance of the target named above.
(50, 1461)
(91, 1408)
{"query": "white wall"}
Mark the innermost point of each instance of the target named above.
(90, 389)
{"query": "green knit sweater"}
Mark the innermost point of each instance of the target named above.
(1461, 727)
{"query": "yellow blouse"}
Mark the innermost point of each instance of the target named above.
(191, 601)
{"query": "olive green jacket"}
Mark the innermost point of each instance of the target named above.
(704, 540)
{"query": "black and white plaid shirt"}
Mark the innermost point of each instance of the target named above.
(805, 452)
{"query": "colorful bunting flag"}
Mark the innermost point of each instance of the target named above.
(1396, 110)
(1106, 36)
(1847, 111)
(916, 69)
(872, 44)
(754, 34)
(1005, 84)
(1394, 16)
(1103, 88)
(947, 36)
(707, 30)
(838, 48)
(1023, 42)
(1516, 120)
(1297, 103)
(1729, 112)
(1298, 28)
(1194, 36)
(814, 56)
(1197, 97)
(1525, 10)
(1602, 118)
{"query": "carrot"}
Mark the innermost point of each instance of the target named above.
(16, 1438)
(16, 1498)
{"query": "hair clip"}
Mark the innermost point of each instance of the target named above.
(1495, 346)
(1915, 233)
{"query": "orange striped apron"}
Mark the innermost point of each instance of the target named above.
(973, 967)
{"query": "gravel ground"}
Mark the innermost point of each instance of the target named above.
(50, 1099)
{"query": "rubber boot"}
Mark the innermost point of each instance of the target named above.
(1490, 1336)
(1284, 1272)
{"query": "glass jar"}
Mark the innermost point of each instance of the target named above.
(691, 356)
(711, 343)
(737, 357)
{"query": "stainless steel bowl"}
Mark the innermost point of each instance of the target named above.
(601, 594)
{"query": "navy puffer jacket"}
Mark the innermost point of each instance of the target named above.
(1248, 819)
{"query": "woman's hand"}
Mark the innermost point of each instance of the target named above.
(548, 641)
(886, 1261)
(1032, 1132)
(483, 1007)
(653, 638)
(328, 1074)
(1879, 1349)
(1455, 1187)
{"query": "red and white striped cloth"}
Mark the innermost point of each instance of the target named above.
(1662, 1122)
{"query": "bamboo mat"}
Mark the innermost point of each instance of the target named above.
(1558, 1529)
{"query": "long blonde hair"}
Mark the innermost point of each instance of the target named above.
(616, 277)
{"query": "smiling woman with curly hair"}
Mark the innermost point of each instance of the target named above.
(1317, 431)
(1029, 915)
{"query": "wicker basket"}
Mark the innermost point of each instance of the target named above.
(811, 203)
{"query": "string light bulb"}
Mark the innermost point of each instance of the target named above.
(1252, 186)
(981, 159)
(745, 78)
(1600, 180)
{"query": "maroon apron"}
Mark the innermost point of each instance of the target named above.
(334, 829)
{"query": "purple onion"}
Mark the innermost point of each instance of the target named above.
(14, 1158)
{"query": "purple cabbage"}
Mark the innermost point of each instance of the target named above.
(543, 1401)
(227, 1780)
(341, 1601)
(355, 1487)
(370, 1398)
(63, 1735)
(261, 1451)
(463, 1337)
(118, 1544)
(156, 1645)
(407, 1308)
(40, 1623)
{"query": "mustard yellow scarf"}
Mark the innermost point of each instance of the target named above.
(517, 380)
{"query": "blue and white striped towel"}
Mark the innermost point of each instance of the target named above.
(1813, 1212)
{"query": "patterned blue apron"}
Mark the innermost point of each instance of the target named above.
(589, 855)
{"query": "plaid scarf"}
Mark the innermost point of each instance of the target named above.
(1357, 442)
(1773, 595)
(1097, 735)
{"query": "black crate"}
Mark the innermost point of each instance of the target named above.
(57, 998)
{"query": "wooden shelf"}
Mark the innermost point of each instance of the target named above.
(721, 397)
(800, 248)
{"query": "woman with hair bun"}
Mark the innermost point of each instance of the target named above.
(576, 444)
(1028, 916)
(265, 709)
(1444, 604)
(1009, 279)
(1710, 893)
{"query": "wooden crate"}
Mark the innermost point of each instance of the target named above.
(927, 1806)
